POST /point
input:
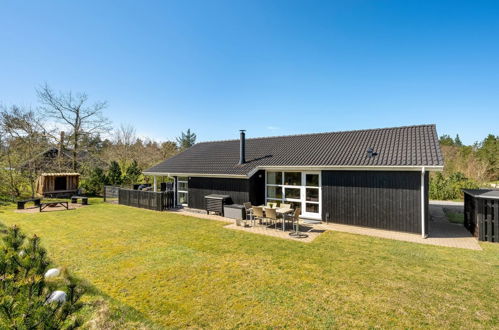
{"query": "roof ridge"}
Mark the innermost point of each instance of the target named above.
(321, 133)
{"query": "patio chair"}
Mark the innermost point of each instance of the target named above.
(258, 213)
(285, 206)
(271, 215)
(296, 222)
(248, 210)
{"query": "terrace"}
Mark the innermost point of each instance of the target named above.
(443, 233)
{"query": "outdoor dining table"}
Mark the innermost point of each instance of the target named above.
(279, 210)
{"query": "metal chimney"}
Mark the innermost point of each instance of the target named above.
(242, 147)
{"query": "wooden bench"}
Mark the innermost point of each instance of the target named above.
(84, 200)
(21, 204)
(54, 203)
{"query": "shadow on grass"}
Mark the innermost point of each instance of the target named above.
(100, 310)
(104, 311)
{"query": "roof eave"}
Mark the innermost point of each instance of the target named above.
(433, 168)
(207, 175)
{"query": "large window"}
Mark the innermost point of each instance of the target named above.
(182, 190)
(292, 178)
(274, 178)
(274, 192)
(300, 189)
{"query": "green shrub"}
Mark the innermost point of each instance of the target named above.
(132, 173)
(114, 174)
(94, 184)
(25, 293)
(450, 187)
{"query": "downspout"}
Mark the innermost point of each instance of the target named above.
(175, 191)
(423, 218)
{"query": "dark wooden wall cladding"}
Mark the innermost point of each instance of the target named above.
(379, 199)
(237, 189)
(240, 190)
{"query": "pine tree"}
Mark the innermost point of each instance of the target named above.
(446, 140)
(25, 293)
(132, 173)
(95, 183)
(186, 140)
(114, 175)
(457, 141)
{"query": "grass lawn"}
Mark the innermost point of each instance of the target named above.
(155, 270)
(455, 217)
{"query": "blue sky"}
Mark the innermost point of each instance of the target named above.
(271, 67)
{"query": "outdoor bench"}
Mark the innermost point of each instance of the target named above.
(21, 204)
(84, 200)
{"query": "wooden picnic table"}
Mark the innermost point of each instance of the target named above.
(55, 203)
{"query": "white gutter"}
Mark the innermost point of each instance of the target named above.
(346, 168)
(202, 175)
(423, 224)
(303, 168)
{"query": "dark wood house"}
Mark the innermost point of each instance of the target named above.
(376, 178)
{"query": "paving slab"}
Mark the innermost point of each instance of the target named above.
(442, 232)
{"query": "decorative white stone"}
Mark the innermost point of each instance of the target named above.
(57, 296)
(53, 272)
(22, 253)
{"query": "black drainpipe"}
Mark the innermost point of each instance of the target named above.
(242, 148)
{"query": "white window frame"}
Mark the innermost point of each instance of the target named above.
(303, 189)
(304, 195)
(186, 192)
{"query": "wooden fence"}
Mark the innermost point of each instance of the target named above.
(158, 201)
(111, 193)
(481, 217)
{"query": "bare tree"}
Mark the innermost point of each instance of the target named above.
(124, 144)
(74, 111)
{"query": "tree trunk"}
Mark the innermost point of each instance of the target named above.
(75, 151)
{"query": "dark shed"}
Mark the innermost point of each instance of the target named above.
(481, 213)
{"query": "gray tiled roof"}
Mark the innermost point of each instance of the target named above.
(397, 146)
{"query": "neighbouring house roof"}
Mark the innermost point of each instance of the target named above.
(48, 160)
(408, 146)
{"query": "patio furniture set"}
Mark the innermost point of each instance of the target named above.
(53, 203)
(271, 215)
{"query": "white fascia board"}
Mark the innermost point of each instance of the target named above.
(200, 175)
(346, 168)
(302, 168)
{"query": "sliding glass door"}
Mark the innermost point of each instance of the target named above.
(300, 189)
